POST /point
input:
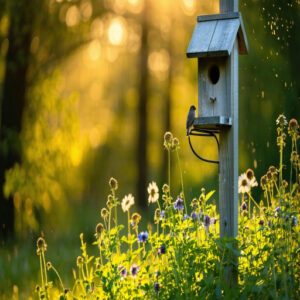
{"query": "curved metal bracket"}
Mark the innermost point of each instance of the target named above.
(204, 133)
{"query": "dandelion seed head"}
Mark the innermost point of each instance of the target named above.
(113, 183)
(293, 125)
(104, 213)
(165, 189)
(98, 230)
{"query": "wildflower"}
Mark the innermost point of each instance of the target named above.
(195, 203)
(113, 183)
(41, 245)
(206, 221)
(156, 287)
(244, 184)
(99, 229)
(185, 217)
(123, 271)
(284, 184)
(195, 216)
(244, 206)
(281, 120)
(162, 249)
(261, 222)
(143, 237)
(251, 177)
(162, 214)
(168, 137)
(294, 221)
(127, 202)
(179, 204)
(134, 270)
(110, 201)
(213, 221)
(153, 192)
(165, 189)
(135, 219)
(79, 261)
(104, 213)
(175, 144)
(273, 170)
(263, 181)
(293, 126)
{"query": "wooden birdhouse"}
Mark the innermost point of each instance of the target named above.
(212, 42)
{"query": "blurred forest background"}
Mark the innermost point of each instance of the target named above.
(87, 90)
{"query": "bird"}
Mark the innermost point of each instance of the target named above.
(190, 119)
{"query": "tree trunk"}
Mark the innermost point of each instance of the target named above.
(13, 101)
(142, 115)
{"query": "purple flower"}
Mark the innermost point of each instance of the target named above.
(143, 237)
(134, 270)
(162, 249)
(179, 204)
(162, 214)
(206, 221)
(185, 217)
(244, 206)
(123, 271)
(156, 287)
(294, 221)
(195, 216)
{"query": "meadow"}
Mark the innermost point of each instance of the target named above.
(180, 255)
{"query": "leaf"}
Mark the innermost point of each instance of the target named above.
(208, 196)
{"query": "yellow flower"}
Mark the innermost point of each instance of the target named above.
(153, 192)
(127, 202)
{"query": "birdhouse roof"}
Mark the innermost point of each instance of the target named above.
(214, 35)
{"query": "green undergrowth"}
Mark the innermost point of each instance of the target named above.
(180, 254)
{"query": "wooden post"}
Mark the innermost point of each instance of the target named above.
(228, 156)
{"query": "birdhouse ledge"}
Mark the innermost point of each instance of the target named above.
(214, 35)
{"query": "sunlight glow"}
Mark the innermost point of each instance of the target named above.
(94, 50)
(76, 155)
(189, 7)
(117, 31)
(135, 6)
(159, 63)
(86, 10)
(72, 16)
(97, 28)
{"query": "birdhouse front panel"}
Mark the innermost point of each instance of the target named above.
(212, 98)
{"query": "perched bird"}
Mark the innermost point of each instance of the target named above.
(190, 119)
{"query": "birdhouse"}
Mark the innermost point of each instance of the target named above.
(212, 42)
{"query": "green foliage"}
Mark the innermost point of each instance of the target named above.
(50, 127)
(181, 255)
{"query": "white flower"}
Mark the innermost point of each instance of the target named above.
(153, 192)
(127, 202)
(253, 182)
(251, 178)
(244, 184)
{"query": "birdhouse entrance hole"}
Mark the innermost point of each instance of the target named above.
(214, 74)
